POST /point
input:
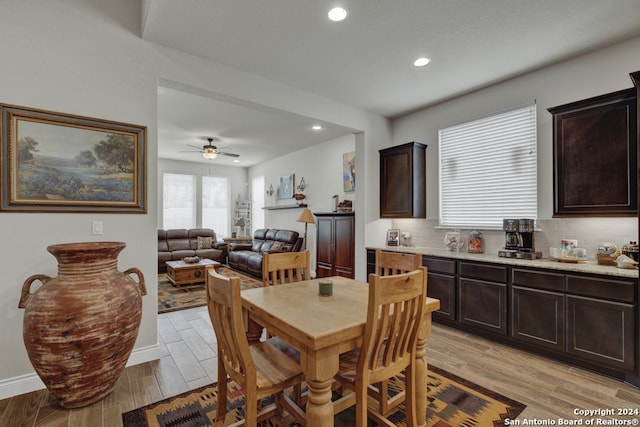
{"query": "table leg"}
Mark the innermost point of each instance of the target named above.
(254, 330)
(319, 369)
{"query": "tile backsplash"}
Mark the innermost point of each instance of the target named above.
(589, 232)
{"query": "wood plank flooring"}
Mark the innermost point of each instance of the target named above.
(551, 390)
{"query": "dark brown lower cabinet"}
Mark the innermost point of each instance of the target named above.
(483, 305)
(601, 331)
(441, 284)
(482, 296)
(538, 317)
(581, 318)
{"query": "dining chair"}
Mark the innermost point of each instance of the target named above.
(388, 263)
(285, 267)
(396, 262)
(261, 369)
(394, 314)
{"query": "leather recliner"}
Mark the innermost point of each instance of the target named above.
(247, 257)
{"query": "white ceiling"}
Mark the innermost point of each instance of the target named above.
(364, 61)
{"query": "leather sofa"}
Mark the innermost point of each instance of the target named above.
(247, 257)
(175, 244)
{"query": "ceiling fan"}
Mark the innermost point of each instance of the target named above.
(210, 151)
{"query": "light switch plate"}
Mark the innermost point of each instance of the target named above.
(96, 227)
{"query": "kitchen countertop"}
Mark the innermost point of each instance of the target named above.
(581, 267)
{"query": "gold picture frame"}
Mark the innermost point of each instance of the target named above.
(55, 162)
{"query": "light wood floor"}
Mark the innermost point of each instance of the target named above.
(551, 390)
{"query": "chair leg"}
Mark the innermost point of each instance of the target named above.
(361, 404)
(221, 412)
(384, 396)
(250, 409)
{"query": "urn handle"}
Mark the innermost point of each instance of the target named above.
(140, 282)
(26, 295)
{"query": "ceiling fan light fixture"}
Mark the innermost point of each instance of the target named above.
(209, 153)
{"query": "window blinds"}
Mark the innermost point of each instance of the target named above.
(488, 169)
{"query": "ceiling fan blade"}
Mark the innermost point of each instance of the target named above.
(222, 153)
(199, 147)
(190, 151)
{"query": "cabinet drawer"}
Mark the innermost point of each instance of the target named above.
(492, 273)
(538, 280)
(609, 289)
(439, 265)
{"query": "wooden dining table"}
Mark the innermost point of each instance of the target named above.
(323, 327)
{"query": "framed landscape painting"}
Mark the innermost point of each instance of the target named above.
(54, 162)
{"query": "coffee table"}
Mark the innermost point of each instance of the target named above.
(180, 273)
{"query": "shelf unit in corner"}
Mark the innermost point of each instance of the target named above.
(273, 208)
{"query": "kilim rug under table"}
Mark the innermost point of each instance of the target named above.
(452, 402)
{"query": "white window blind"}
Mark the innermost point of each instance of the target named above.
(178, 201)
(215, 204)
(257, 201)
(488, 169)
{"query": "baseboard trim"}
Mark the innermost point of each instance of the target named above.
(32, 382)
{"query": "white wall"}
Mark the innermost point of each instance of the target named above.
(601, 72)
(237, 180)
(86, 58)
(321, 167)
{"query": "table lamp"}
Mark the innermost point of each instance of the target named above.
(307, 217)
(240, 223)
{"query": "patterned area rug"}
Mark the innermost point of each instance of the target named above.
(452, 402)
(173, 298)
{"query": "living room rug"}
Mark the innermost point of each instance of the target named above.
(173, 298)
(452, 402)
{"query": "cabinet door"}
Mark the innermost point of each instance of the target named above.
(403, 181)
(324, 247)
(601, 331)
(594, 156)
(344, 251)
(538, 316)
(483, 305)
(443, 287)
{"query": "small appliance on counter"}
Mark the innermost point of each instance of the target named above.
(631, 250)
(519, 239)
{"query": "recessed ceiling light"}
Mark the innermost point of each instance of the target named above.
(316, 127)
(421, 62)
(337, 14)
(236, 161)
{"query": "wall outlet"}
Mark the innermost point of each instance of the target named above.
(96, 227)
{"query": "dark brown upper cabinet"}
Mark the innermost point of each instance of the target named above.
(403, 181)
(595, 156)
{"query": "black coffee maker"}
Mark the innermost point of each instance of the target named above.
(512, 238)
(519, 239)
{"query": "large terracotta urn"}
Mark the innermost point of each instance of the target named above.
(80, 327)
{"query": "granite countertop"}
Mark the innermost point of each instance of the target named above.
(589, 266)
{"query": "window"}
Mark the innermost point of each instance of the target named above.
(215, 204)
(257, 201)
(178, 201)
(488, 169)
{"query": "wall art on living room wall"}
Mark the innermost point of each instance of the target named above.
(349, 172)
(55, 162)
(286, 185)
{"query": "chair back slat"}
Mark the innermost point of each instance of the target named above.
(388, 263)
(285, 267)
(225, 310)
(395, 309)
